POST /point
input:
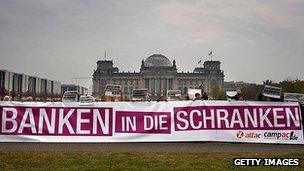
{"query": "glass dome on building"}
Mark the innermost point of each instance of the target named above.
(157, 60)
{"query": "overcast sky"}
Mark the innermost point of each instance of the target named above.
(57, 39)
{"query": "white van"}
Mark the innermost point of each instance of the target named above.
(140, 95)
(174, 95)
(70, 96)
(271, 93)
(294, 97)
(112, 93)
(86, 99)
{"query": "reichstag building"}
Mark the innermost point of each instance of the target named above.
(158, 74)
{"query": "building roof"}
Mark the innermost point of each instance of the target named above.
(158, 60)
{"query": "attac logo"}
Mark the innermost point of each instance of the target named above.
(281, 135)
(241, 134)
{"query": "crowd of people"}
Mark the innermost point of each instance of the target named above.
(202, 95)
(29, 98)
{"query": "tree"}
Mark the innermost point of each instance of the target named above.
(292, 86)
(217, 93)
(251, 92)
(270, 82)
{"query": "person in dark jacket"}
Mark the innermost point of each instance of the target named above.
(198, 96)
(205, 96)
(187, 98)
(239, 96)
(203, 93)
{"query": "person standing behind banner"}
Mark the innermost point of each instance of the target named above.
(187, 98)
(239, 96)
(203, 93)
(6, 98)
(161, 98)
(30, 98)
(205, 96)
(198, 96)
(302, 113)
(201, 86)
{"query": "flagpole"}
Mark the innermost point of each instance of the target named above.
(210, 54)
(200, 63)
(105, 55)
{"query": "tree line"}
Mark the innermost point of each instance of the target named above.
(252, 91)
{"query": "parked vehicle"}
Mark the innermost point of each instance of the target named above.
(86, 99)
(70, 96)
(174, 95)
(271, 93)
(112, 93)
(294, 97)
(140, 95)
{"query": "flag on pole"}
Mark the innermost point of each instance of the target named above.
(199, 61)
(210, 53)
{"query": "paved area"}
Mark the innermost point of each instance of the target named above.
(191, 147)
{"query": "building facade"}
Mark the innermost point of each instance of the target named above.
(22, 83)
(158, 75)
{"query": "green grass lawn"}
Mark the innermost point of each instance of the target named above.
(97, 160)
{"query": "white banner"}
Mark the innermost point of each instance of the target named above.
(235, 121)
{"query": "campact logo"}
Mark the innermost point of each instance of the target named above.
(281, 135)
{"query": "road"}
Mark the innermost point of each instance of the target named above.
(191, 147)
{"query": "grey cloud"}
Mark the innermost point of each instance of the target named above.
(63, 39)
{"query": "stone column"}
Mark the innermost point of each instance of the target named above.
(167, 84)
